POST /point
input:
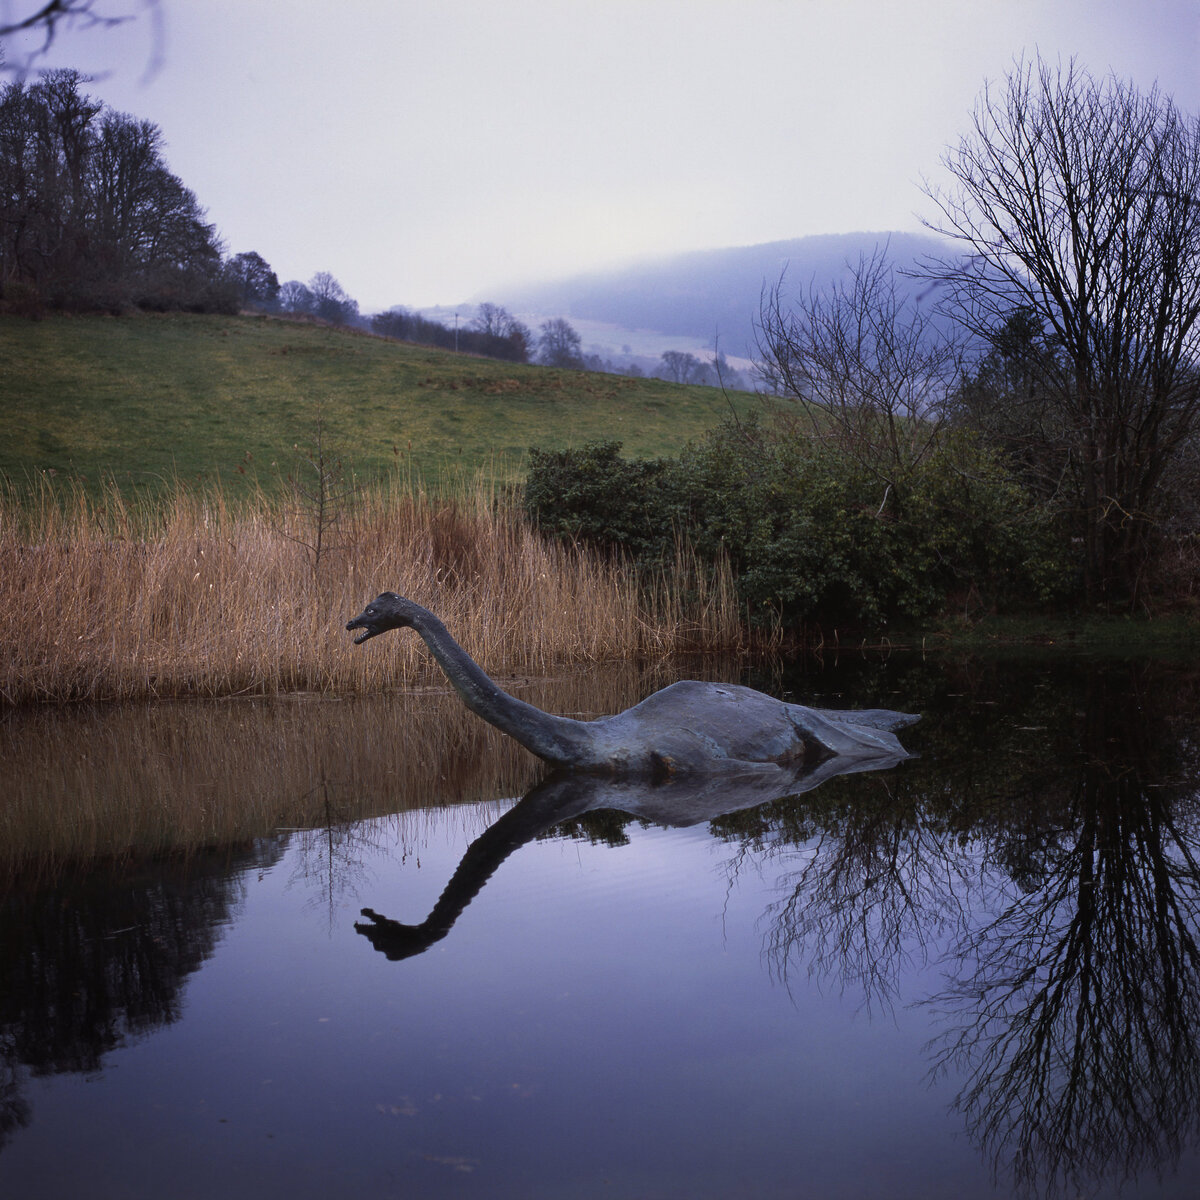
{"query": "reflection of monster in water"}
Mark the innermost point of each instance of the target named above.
(93, 962)
(680, 800)
(1055, 852)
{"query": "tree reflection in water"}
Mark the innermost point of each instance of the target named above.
(1070, 888)
(127, 831)
(99, 961)
(1077, 1008)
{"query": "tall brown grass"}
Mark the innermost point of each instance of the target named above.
(199, 596)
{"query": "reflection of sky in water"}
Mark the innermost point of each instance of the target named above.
(599, 1020)
(599, 1013)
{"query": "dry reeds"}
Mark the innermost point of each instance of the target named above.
(198, 596)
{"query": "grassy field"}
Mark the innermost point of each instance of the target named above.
(146, 398)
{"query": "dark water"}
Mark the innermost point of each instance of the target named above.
(974, 974)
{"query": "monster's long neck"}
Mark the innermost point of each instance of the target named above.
(558, 740)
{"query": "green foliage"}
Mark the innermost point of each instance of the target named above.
(816, 536)
(812, 534)
(592, 495)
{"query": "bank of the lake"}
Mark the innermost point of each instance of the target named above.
(203, 594)
(1154, 635)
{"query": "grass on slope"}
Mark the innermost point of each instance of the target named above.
(148, 398)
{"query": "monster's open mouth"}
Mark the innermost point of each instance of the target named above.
(368, 631)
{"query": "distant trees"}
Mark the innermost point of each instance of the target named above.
(257, 285)
(90, 214)
(323, 297)
(1076, 202)
(559, 345)
(331, 301)
(727, 375)
(327, 295)
(509, 338)
(681, 367)
(399, 323)
(493, 332)
(296, 297)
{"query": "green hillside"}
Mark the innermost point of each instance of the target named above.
(206, 398)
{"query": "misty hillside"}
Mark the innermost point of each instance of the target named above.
(697, 295)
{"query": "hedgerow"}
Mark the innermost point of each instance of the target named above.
(814, 535)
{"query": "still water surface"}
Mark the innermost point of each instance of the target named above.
(974, 974)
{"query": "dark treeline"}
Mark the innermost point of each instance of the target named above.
(91, 218)
(494, 332)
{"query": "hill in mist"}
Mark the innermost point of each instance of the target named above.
(694, 297)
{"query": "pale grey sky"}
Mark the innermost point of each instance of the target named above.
(427, 151)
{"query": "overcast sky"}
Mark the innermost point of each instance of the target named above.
(428, 152)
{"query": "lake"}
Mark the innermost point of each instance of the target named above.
(975, 973)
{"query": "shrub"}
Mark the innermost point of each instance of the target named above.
(22, 300)
(594, 497)
(811, 532)
(814, 535)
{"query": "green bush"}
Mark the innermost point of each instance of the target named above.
(594, 497)
(814, 534)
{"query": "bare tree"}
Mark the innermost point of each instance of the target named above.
(1079, 200)
(48, 17)
(296, 297)
(682, 367)
(330, 300)
(870, 366)
(322, 496)
(560, 344)
(497, 322)
(493, 319)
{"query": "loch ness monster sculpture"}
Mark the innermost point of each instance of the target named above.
(690, 726)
